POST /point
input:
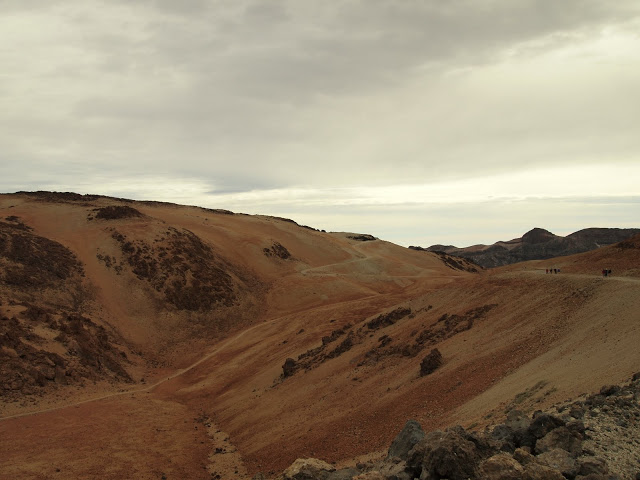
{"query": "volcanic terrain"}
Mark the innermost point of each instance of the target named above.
(151, 340)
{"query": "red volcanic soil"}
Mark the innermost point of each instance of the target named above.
(202, 308)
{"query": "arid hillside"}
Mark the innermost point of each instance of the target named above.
(151, 340)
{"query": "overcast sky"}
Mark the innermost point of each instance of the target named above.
(420, 122)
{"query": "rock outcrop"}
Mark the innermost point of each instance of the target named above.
(431, 362)
(573, 441)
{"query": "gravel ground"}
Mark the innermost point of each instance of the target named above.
(612, 422)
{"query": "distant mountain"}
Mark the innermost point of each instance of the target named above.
(536, 244)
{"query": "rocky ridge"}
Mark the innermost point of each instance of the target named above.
(536, 244)
(596, 437)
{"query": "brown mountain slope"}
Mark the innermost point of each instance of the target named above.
(211, 329)
(163, 282)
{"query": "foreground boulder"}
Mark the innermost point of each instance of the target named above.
(410, 435)
(445, 454)
(501, 467)
(563, 438)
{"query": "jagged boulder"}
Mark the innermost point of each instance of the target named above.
(523, 456)
(308, 469)
(592, 466)
(543, 423)
(410, 435)
(500, 467)
(562, 438)
(608, 390)
(518, 423)
(504, 436)
(577, 410)
(444, 455)
(559, 460)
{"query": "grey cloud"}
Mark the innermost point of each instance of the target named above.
(263, 94)
(355, 46)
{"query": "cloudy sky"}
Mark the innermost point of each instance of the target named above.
(420, 122)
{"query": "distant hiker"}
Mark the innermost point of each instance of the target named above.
(546, 270)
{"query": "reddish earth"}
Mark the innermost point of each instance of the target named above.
(191, 314)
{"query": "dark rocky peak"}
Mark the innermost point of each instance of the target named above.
(538, 235)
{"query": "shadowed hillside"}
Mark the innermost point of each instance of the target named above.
(194, 343)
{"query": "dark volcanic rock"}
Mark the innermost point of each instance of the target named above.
(560, 460)
(431, 362)
(501, 467)
(444, 455)
(364, 237)
(289, 367)
(563, 438)
(388, 319)
(114, 212)
(410, 435)
(592, 465)
(543, 423)
(31, 261)
(504, 437)
(182, 267)
(277, 250)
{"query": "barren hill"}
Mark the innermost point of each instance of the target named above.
(537, 244)
(142, 339)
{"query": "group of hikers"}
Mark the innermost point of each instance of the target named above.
(606, 272)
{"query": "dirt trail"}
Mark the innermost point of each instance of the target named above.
(583, 275)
